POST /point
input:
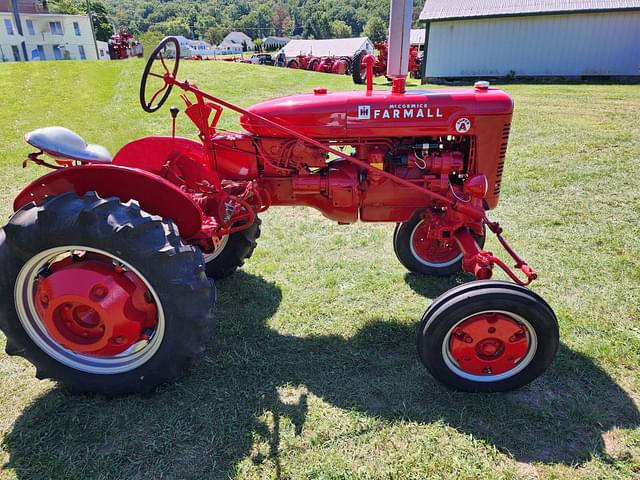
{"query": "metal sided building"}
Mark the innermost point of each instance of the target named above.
(567, 39)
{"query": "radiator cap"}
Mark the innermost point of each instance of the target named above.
(481, 85)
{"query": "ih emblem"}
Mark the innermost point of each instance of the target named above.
(463, 125)
(364, 112)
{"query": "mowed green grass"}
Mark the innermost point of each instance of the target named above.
(313, 371)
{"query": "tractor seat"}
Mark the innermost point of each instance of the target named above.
(62, 143)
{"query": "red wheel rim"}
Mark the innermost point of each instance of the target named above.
(89, 309)
(92, 307)
(431, 251)
(490, 344)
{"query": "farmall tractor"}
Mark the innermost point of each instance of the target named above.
(106, 263)
(380, 63)
(122, 45)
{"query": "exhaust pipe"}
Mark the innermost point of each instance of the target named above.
(400, 16)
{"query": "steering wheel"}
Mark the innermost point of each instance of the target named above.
(159, 66)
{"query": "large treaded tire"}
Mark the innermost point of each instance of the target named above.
(478, 296)
(238, 248)
(152, 245)
(356, 65)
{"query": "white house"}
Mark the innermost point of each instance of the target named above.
(45, 36)
(190, 48)
(235, 42)
(103, 50)
(531, 38)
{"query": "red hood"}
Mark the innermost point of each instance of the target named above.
(382, 113)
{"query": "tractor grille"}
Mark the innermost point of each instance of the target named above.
(503, 153)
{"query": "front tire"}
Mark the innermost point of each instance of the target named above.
(102, 296)
(425, 256)
(488, 336)
(358, 70)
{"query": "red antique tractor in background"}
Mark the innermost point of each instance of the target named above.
(123, 45)
(359, 70)
(106, 263)
(335, 65)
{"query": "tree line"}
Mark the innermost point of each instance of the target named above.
(211, 20)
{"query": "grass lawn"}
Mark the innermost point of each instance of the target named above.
(313, 371)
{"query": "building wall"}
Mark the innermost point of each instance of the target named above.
(545, 45)
(43, 37)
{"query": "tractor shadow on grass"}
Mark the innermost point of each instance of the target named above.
(251, 394)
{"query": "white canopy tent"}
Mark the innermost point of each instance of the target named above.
(339, 47)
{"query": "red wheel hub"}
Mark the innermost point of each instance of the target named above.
(431, 249)
(489, 344)
(92, 307)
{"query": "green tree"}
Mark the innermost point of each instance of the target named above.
(282, 22)
(341, 29)
(176, 26)
(99, 13)
(149, 41)
(375, 30)
(214, 35)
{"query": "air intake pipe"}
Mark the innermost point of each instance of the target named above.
(400, 17)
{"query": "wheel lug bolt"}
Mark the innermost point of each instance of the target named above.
(492, 329)
(99, 292)
(118, 340)
(468, 339)
(44, 301)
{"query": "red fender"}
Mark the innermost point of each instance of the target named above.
(154, 194)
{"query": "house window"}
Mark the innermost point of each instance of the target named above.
(57, 52)
(16, 53)
(76, 28)
(9, 26)
(30, 27)
(83, 56)
(56, 28)
(41, 52)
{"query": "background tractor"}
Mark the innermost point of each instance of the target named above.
(359, 69)
(108, 263)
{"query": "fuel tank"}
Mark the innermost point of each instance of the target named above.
(380, 113)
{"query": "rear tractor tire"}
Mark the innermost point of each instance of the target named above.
(358, 70)
(423, 256)
(101, 296)
(232, 251)
(487, 336)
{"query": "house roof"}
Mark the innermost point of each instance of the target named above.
(435, 10)
(339, 47)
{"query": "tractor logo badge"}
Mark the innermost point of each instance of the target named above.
(364, 112)
(463, 125)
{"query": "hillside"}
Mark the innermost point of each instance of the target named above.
(212, 19)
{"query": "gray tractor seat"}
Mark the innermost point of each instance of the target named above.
(62, 143)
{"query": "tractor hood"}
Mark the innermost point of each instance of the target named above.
(379, 113)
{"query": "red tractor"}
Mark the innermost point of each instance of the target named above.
(301, 61)
(359, 71)
(338, 66)
(107, 262)
(122, 45)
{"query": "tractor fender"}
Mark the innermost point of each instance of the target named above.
(155, 195)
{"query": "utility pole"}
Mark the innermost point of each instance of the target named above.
(16, 17)
(93, 31)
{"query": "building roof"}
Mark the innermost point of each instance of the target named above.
(435, 10)
(338, 47)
